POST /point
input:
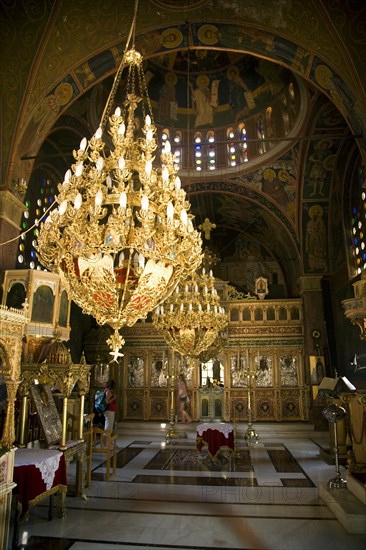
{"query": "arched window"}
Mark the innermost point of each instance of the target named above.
(165, 136)
(291, 91)
(285, 115)
(211, 150)
(177, 150)
(261, 136)
(269, 122)
(37, 202)
(291, 102)
(243, 145)
(359, 233)
(231, 147)
(198, 151)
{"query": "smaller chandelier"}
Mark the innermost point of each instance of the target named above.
(191, 318)
(121, 237)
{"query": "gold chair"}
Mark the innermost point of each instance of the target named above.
(104, 441)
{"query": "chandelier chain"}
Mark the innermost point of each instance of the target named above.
(118, 75)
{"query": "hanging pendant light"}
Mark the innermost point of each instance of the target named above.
(191, 319)
(121, 237)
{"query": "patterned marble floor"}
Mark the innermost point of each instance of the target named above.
(264, 497)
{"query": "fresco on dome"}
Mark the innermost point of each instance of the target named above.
(279, 182)
(257, 41)
(322, 153)
(46, 114)
(334, 87)
(220, 87)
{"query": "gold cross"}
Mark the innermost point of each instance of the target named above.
(207, 227)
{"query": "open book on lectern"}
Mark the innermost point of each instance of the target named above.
(332, 387)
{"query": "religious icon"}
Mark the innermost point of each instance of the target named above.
(47, 412)
(261, 287)
(317, 369)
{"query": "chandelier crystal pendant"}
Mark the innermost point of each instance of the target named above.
(121, 236)
(191, 318)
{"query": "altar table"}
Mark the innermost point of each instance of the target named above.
(38, 473)
(217, 436)
(76, 450)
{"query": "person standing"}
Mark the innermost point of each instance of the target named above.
(110, 412)
(183, 399)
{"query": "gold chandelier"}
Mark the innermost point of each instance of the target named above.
(191, 318)
(121, 236)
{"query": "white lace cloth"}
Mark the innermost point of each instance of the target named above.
(47, 461)
(222, 427)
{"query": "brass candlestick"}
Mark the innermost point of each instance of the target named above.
(334, 414)
(251, 435)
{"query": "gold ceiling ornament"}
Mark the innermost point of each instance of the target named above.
(191, 318)
(121, 236)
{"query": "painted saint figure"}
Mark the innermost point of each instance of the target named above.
(316, 240)
(203, 101)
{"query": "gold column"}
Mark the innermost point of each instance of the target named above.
(23, 421)
(81, 418)
(63, 445)
(8, 436)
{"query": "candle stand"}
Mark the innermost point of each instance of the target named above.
(236, 445)
(171, 434)
(251, 435)
(334, 413)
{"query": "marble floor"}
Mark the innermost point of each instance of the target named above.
(263, 497)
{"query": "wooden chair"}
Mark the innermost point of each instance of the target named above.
(104, 441)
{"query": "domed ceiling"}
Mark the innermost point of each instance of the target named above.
(252, 203)
(235, 85)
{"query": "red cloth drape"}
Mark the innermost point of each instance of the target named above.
(215, 440)
(30, 484)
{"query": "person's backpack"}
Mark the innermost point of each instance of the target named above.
(100, 403)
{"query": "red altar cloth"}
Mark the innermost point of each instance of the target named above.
(38, 473)
(216, 435)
